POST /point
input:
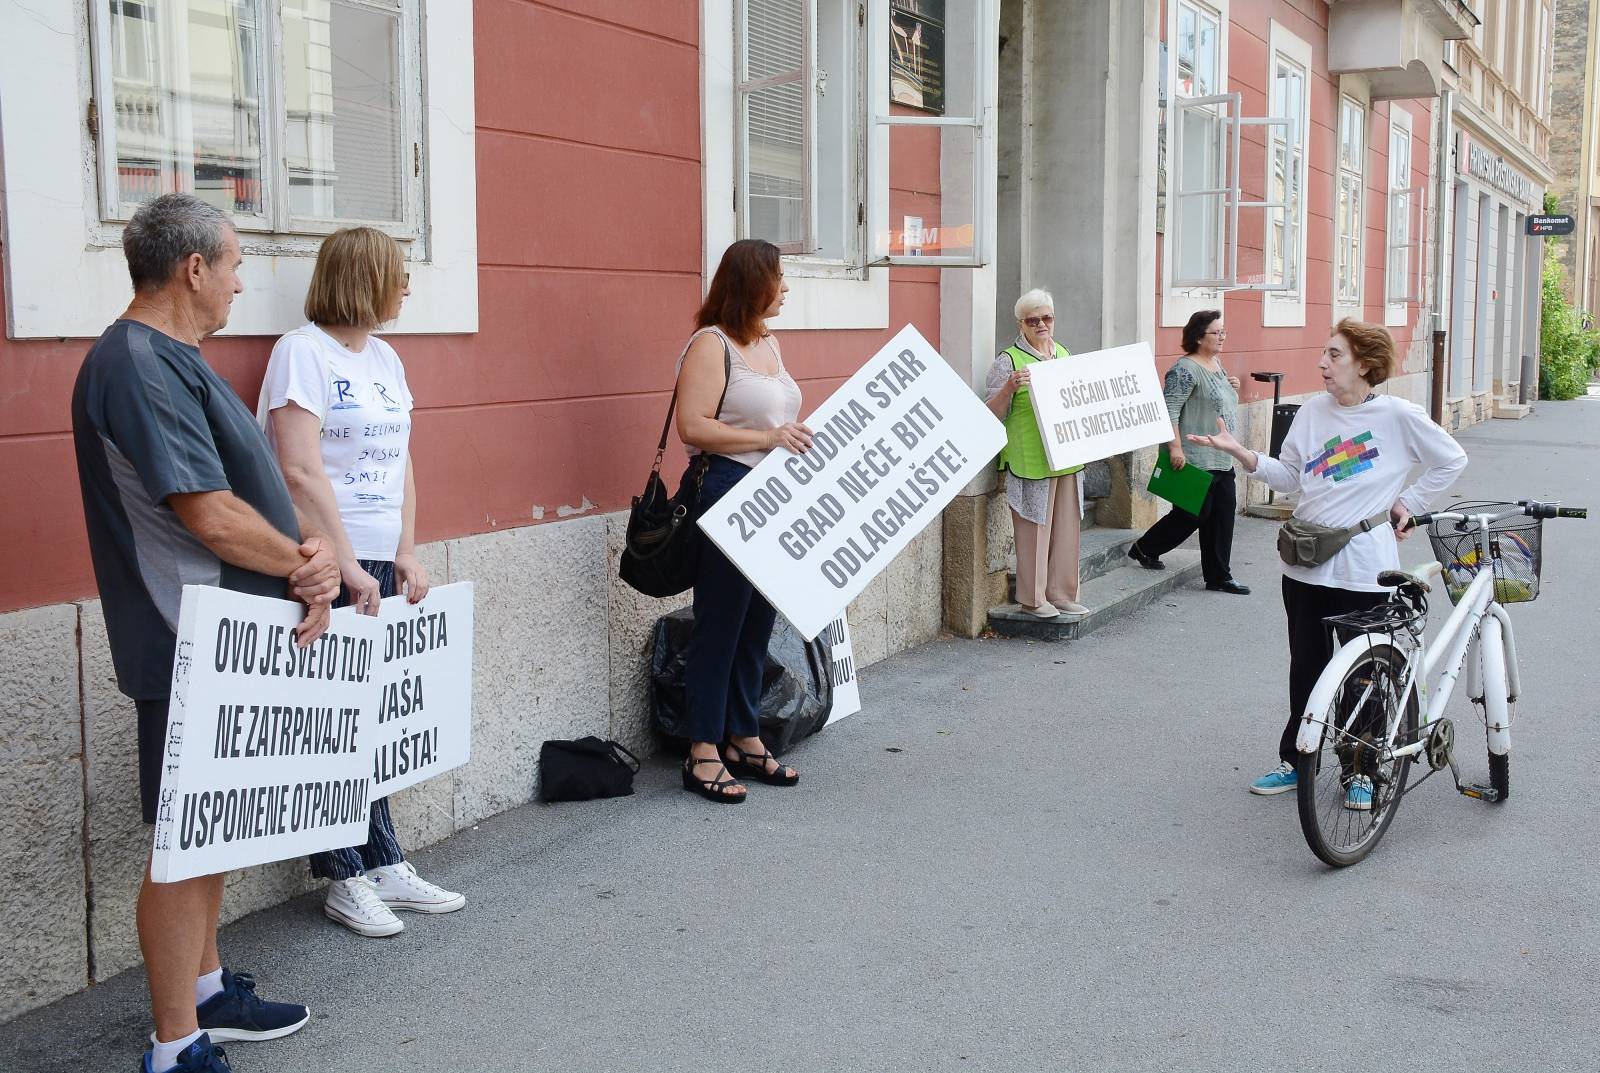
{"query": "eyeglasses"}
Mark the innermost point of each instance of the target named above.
(406, 278)
(1218, 334)
(1039, 321)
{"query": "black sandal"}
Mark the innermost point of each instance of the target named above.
(710, 789)
(755, 766)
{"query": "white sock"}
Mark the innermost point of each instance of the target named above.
(208, 985)
(165, 1055)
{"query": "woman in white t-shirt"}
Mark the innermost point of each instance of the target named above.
(338, 413)
(1349, 456)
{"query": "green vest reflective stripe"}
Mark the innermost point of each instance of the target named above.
(1023, 453)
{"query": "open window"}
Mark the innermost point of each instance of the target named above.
(1217, 223)
(932, 150)
(1406, 224)
(296, 117)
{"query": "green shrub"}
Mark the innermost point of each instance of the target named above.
(1569, 347)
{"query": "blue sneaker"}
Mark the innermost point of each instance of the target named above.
(200, 1057)
(1279, 780)
(1358, 794)
(237, 1013)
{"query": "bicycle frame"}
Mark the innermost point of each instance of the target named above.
(1478, 617)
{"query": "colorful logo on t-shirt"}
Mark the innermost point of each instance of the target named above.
(1343, 459)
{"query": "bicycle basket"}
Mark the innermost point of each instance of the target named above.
(1515, 545)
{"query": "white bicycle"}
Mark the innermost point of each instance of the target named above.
(1372, 713)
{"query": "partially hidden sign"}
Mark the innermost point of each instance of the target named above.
(275, 751)
(1092, 406)
(891, 448)
(842, 671)
(424, 714)
(268, 752)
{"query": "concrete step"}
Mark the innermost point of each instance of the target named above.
(1112, 595)
(1099, 551)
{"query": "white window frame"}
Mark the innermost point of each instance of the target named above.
(1351, 91)
(1405, 202)
(1177, 306)
(52, 212)
(822, 295)
(1288, 309)
(979, 170)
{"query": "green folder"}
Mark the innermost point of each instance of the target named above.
(1184, 488)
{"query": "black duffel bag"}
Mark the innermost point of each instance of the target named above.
(796, 690)
(585, 769)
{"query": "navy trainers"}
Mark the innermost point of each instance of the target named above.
(200, 1057)
(237, 1013)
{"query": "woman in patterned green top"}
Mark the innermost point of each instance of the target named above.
(1199, 392)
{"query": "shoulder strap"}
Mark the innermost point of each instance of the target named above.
(672, 406)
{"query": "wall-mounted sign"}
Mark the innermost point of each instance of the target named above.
(916, 54)
(1550, 225)
(1473, 159)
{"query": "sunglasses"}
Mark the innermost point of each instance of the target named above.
(1039, 322)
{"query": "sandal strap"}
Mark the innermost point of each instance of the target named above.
(715, 785)
(754, 759)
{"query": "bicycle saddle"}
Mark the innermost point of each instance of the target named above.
(1417, 581)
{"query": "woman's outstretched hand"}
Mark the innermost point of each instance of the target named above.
(1221, 439)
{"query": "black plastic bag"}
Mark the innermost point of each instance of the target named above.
(796, 692)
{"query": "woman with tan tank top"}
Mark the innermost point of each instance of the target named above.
(732, 621)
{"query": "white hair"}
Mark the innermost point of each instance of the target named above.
(1038, 298)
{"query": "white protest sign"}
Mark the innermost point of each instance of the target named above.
(842, 671)
(1092, 406)
(268, 752)
(424, 680)
(891, 447)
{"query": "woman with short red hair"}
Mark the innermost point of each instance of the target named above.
(735, 420)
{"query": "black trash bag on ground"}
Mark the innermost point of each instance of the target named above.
(796, 692)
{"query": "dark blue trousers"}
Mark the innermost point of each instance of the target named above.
(727, 654)
(382, 846)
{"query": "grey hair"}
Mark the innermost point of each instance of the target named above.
(1038, 298)
(165, 231)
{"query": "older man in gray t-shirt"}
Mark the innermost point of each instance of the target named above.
(180, 488)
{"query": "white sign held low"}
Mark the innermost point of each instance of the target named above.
(268, 749)
(1092, 406)
(890, 449)
(424, 720)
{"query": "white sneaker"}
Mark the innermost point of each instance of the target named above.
(1044, 610)
(401, 888)
(355, 904)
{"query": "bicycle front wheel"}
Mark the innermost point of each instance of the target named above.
(1351, 786)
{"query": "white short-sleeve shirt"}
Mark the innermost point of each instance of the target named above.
(365, 408)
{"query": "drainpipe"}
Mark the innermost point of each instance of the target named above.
(1443, 201)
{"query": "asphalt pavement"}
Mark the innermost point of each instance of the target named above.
(1018, 856)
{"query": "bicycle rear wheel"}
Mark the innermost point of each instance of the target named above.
(1364, 709)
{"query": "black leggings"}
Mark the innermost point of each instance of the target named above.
(1311, 645)
(1215, 522)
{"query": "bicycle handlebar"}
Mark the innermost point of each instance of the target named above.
(1529, 507)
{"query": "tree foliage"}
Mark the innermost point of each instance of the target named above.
(1569, 347)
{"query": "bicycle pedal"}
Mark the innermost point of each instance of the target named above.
(1482, 793)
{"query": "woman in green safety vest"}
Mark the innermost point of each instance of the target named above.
(1046, 504)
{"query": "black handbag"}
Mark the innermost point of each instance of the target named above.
(584, 769)
(662, 543)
